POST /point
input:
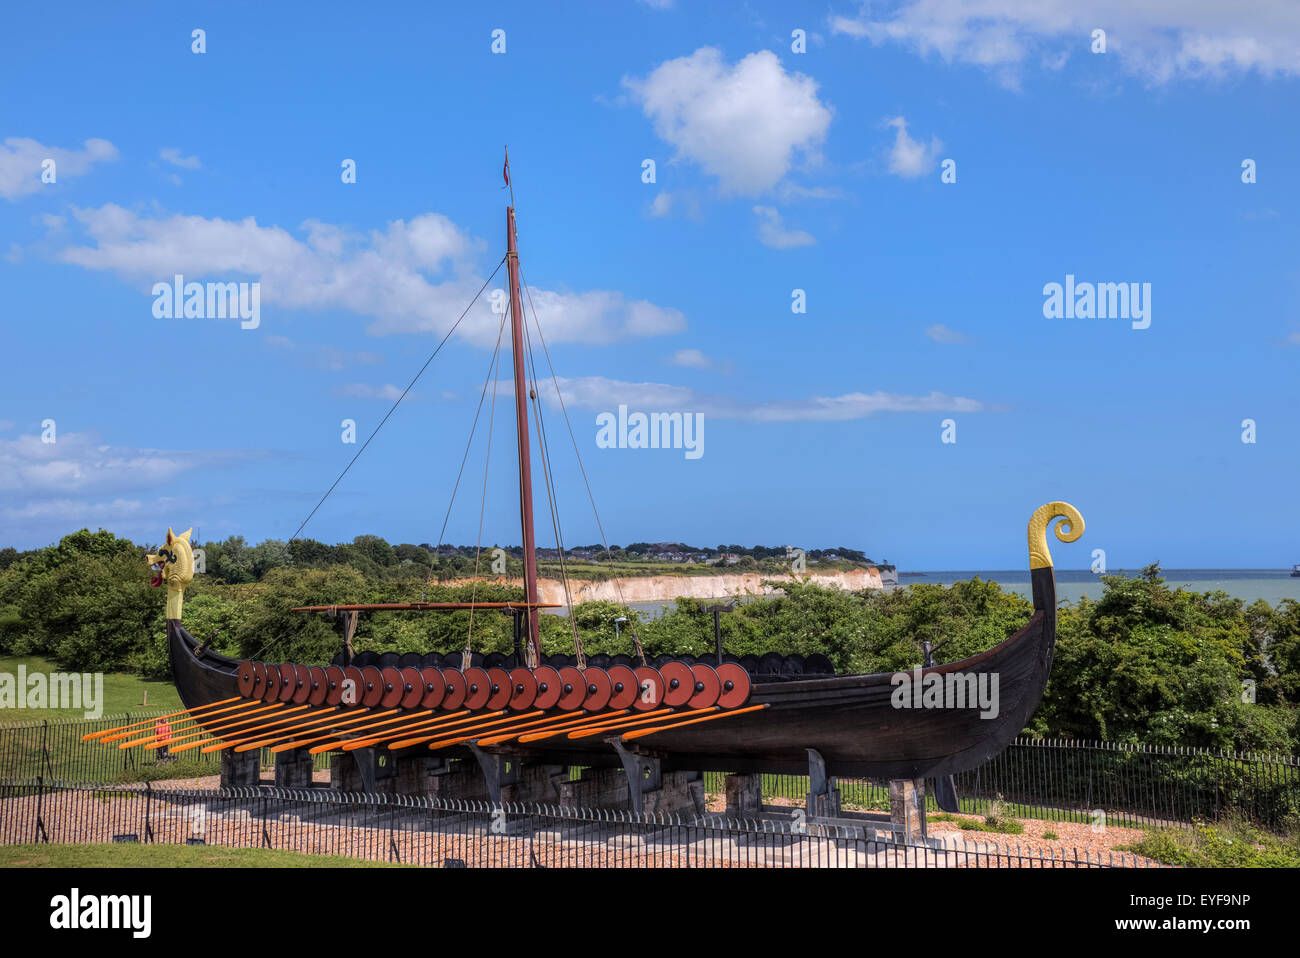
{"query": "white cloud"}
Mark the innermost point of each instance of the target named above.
(662, 204)
(691, 359)
(743, 124)
(322, 356)
(172, 155)
(1156, 39)
(42, 521)
(6, 425)
(78, 462)
(387, 391)
(943, 334)
(21, 159)
(772, 231)
(601, 394)
(413, 276)
(792, 191)
(909, 158)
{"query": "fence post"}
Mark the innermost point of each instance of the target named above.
(41, 833)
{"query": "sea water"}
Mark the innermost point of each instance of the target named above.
(1271, 585)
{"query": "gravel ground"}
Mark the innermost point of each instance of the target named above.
(1072, 838)
(373, 833)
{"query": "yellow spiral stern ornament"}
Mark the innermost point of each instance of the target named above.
(1068, 529)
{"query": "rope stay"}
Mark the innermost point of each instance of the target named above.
(478, 546)
(397, 402)
(552, 499)
(636, 639)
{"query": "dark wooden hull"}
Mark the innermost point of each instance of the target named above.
(851, 720)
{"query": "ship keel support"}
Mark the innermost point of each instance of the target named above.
(823, 790)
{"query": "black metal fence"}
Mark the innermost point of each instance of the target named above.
(55, 750)
(1099, 782)
(1050, 779)
(433, 832)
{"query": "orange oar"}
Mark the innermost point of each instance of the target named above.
(644, 719)
(228, 722)
(316, 734)
(277, 727)
(585, 722)
(617, 727)
(192, 732)
(122, 728)
(295, 744)
(518, 730)
(708, 718)
(194, 720)
(267, 737)
(200, 735)
(464, 723)
(473, 732)
(396, 732)
(333, 741)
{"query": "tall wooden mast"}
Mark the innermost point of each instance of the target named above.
(521, 425)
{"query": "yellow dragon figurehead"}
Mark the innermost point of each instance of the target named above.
(174, 565)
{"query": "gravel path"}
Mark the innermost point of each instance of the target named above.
(421, 836)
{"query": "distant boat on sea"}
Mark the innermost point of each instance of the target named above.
(1295, 571)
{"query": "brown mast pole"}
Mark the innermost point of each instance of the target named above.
(521, 424)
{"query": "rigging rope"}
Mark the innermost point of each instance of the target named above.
(470, 441)
(478, 546)
(544, 448)
(393, 409)
(636, 639)
(375, 432)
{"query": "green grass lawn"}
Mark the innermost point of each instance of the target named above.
(1231, 843)
(130, 855)
(122, 693)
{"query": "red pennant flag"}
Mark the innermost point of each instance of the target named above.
(505, 171)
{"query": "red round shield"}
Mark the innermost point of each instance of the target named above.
(625, 689)
(457, 689)
(549, 687)
(523, 689)
(572, 689)
(271, 687)
(707, 686)
(319, 685)
(679, 683)
(432, 688)
(301, 684)
(354, 686)
(412, 688)
(372, 686)
(480, 688)
(333, 685)
(599, 689)
(246, 678)
(390, 680)
(735, 685)
(259, 680)
(501, 689)
(650, 688)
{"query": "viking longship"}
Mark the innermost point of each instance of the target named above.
(713, 712)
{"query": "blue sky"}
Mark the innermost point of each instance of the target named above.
(774, 171)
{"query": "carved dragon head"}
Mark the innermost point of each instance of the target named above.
(173, 564)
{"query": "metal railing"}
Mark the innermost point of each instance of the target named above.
(1049, 779)
(1068, 780)
(444, 833)
(54, 750)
